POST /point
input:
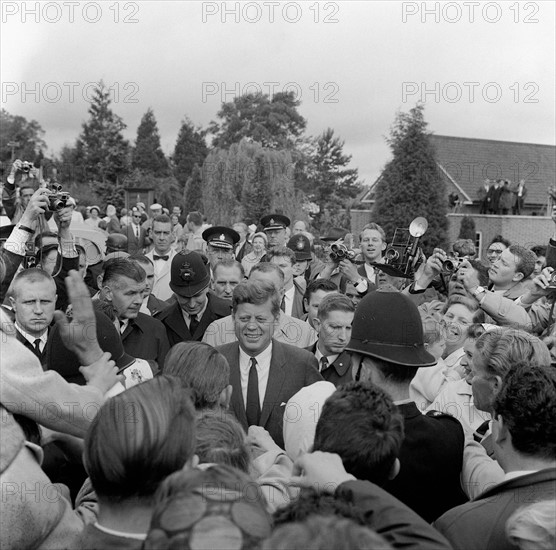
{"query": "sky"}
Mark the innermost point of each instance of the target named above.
(483, 69)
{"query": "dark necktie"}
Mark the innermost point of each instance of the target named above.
(253, 408)
(480, 432)
(193, 324)
(37, 346)
(323, 363)
(283, 304)
(165, 258)
(137, 231)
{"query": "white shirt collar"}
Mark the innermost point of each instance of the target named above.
(198, 316)
(30, 338)
(518, 473)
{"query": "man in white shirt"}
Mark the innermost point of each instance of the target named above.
(294, 289)
(161, 256)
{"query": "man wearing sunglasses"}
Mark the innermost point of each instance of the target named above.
(137, 238)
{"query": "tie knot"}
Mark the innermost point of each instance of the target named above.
(323, 363)
(165, 258)
(253, 362)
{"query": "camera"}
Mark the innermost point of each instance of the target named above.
(339, 252)
(552, 281)
(57, 199)
(451, 265)
(26, 167)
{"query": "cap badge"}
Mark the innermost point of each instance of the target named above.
(186, 273)
(271, 222)
(299, 244)
(222, 237)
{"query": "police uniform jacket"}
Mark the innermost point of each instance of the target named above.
(338, 372)
(178, 331)
(431, 458)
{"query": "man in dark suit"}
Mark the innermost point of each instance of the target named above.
(483, 195)
(387, 334)
(33, 302)
(123, 288)
(294, 290)
(333, 324)
(151, 304)
(264, 373)
(524, 439)
(136, 235)
(195, 308)
(494, 197)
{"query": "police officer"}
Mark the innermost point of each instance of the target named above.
(387, 334)
(220, 244)
(195, 308)
(274, 226)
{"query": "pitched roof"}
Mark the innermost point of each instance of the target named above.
(464, 163)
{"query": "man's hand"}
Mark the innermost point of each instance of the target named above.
(102, 374)
(348, 269)
(38, 204)
(432, 268)
(320, 471)
(79, 335)
(466, 275)
(542, 287)
(63, 218)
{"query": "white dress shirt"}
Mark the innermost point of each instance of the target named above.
(263, 368)
(199, 316)
(330, 358)
(31, 339)
(288, 300)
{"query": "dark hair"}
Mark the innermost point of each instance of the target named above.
(539, 250)
(335, 302)
(361, 424)
(195, 218)
(500, 239)
(221, 440)
(482, 271)
(281, 252)
(397, 374)
(40, 236)
(257, 293)
(527, 403)
(122, 267)
(526, 260)
(202, 368)
(319, 284)
(138, 438)
(323, 532)
(266, 267)
(475, 330)
(140, 259)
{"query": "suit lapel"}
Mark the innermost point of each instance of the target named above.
(276, 378)
(238, 406)
(207, 318)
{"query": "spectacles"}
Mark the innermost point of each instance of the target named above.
(494, 251)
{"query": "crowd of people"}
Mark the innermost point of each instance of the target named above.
(168, 383)
(502, 197)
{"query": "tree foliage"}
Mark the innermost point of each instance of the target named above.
(193, 195)
(147, 154)
(246, 181)
(190, 151)
(101, 148)
(274, 123)
(410, 184)
(28, 134)
(467, 228)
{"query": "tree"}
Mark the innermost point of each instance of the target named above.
(467, 228)
(274, 123)
(101, 148)
(190, 151)
(330, 183)
(147, 155)
(28, 135)
(410, 184)
(193, 195)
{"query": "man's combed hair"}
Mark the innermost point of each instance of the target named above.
(141, 259)
(319, 284)
(31, 275)
(138, 438)
(267, 267)
(525, 259)
(162, 218)
(335, 302)
(375, 227)
(527, 404)
(281, 252)
(195, 218)
(360, 423)
(203, 369)
(123, 267)
(230, 263)
(256, 293)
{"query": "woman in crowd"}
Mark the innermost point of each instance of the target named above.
(259, 242)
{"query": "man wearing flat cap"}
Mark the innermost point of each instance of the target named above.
(387, 335)
(195, 308)
(220, 244)
(274, 226)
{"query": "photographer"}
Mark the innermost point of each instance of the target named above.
(22, 179)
